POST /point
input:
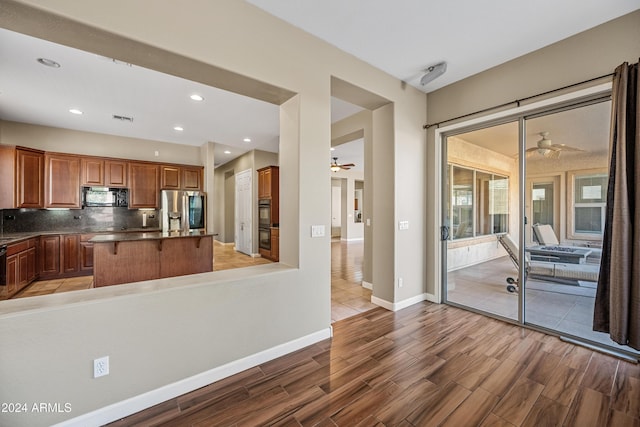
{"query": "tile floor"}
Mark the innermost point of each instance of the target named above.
(564, 308)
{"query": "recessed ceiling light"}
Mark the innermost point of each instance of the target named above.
(75, 111)
(197, 97)
(332, 149)
(49, 62)
(227, 152)
(178, 128)
(247, 140)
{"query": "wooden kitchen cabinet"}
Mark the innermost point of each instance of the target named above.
(21, 266)
(192, 178)
(269, 188)
(265, 182)
(170, 176)
(12, 276)
(62, 181)
(275, 244)
(86, 253)
(49, 265)
(92, 171)
(115, 173)
(96, 171)
(29, 178)
(175, 177)
(144, 185)
(7, 177)
(69, 254)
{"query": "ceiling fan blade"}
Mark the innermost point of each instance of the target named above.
(531, 150)
(566, 147)
(348, 164)
(553, 154)
(345, 167)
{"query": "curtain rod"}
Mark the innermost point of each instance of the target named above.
(517, 101)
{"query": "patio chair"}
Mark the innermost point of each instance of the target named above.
(544, 235)
(566, 274)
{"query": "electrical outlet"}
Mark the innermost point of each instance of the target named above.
(101, 367)
(400, 282)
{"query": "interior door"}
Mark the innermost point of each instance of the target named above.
(243, 211)
(336, 211)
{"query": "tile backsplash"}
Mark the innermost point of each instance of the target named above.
(87, 219)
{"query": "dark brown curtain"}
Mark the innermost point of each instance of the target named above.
(617, 306)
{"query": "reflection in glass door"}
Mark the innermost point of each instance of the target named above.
(480, 205)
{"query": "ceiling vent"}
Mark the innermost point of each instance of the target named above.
(123, 118)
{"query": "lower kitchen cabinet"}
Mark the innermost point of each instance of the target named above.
(86, 253)
(64, 256)
(49, 267)
(21, 266)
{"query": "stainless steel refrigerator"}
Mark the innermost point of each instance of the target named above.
(183, 210)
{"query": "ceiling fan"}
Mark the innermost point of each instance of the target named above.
(335, 166)
(547, 149)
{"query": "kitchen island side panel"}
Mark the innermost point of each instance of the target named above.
(115, 263)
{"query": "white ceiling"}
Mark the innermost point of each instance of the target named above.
(404, 37)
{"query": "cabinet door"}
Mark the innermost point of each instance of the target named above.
(86, 256)
(29, 179)
(12, 274)
(23, 269)
(170, 177)
(115, 173)
(192, 178)
(92, 171)
(70, 250)
(62, 181)
(32, 270)
(7, 177)
(143, 179)
(49, 256)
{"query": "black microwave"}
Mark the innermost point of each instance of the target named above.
(106, 197)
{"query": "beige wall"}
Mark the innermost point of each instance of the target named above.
(94, 144)
(587, 55)
(194, 329)
(224, 194)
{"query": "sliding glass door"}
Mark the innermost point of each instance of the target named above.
(554, 186)
(479, 209)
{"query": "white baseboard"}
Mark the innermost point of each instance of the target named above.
(353, 239)
(146, 400)
(367, 285)
(395, 306)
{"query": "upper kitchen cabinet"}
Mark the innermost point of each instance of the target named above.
(115, 173)
(96, 171)
(175, 177)
(7, 177)
(170, 177)
(62, 181)
(144, 185)
(268, 182)
(21, 178)
(192, 178)
(92, 171)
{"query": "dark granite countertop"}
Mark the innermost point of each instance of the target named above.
(157, 235)
(10, 238)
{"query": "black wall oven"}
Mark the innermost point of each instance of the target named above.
(264, 224)
(264, 213)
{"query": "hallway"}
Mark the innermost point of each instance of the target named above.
(348, 297)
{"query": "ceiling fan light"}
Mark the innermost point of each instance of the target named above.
(544, 151)
(335, 168)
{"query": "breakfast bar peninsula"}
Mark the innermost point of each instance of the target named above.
(132, 257)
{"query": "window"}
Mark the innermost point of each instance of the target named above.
(479, 202)
(588, 198)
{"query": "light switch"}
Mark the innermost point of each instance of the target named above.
(317, 231)
(403, 225)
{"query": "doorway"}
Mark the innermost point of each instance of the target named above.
(243, 212)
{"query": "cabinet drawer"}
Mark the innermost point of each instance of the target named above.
(17, 247)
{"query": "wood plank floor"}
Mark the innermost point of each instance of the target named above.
(426, 365)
